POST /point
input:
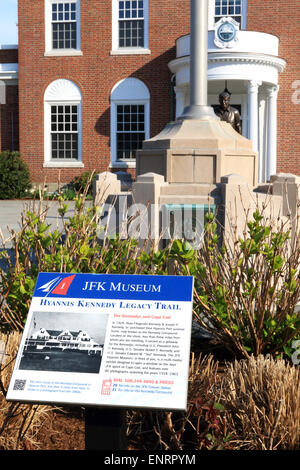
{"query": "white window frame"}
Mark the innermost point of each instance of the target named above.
(116, 50)
(211, 14)
(2, 91)
(61, 92)
(128, 91)
(49, 51)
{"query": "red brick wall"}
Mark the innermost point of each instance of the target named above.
(9, 112)
(8, 56)
(95, 73)
(282, 18)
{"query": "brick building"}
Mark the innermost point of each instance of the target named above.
(96, 78)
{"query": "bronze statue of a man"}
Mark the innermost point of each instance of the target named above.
(228, 113)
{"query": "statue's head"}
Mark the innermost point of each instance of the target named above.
(224, 99)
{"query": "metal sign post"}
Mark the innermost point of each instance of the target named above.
(105, 429)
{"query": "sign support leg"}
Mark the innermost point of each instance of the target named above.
(105, 429)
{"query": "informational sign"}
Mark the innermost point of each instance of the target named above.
(106, 340)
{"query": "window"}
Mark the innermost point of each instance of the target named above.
(62, 111)
(130, 26)
(131, 23)
(64, 132)
(129, 121)
(236, 9)
(231, 8)
(130, 129)
(62, 27)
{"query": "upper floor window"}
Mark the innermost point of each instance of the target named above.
(236, 9)
(131, 23)
(232, 8)
(130, 26)
(62, 26)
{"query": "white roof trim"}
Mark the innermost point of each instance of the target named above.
(8, 46)
(8, 71)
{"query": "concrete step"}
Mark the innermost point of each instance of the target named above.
(188, 189)
(186, 199)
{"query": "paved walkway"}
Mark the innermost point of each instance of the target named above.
(11, 214)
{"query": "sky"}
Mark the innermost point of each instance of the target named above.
(8, 22)
(93, 323)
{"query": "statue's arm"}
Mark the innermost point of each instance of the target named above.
(237, 120)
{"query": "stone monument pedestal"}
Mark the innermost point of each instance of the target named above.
(198, 151)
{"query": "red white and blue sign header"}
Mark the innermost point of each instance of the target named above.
(117, 286)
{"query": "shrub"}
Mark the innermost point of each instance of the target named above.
(74, 247)
(67, 194)
(246, 293)
(245, 296)
(19, 423)
(14, 176)
(83, 182)
(251, 404)
(261, 402)
(199, 428)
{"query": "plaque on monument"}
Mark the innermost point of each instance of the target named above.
(106, 340)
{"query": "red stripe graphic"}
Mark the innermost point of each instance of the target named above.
(63, 286)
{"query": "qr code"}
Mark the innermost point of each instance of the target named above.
(19, 384)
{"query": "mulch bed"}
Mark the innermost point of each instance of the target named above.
(65, 428)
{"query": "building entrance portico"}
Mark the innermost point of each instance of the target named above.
(250, 70)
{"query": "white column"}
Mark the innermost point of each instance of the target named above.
(272, 93)
(244, 115)
(262, 137)
(180, 100)
(198, 108)
(198, 58)
(2, 92)
(253, 86)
